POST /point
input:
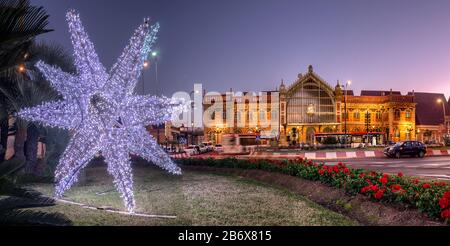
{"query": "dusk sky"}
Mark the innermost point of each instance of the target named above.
(251, 45)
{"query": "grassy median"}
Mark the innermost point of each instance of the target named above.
(194, 198)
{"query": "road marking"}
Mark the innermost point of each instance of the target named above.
(310, 155)
(370, 153)
(436, 152)
(351, 154)
(439, 176)
(331, 155)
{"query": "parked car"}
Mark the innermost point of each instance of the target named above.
(409, 148)
(209, 146)
(202, 148)
(218, 148)
(192, 150)
(169, 149)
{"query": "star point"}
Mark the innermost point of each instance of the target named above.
(103, 112)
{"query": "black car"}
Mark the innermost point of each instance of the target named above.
(410, 148)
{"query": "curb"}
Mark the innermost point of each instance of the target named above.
(315, 155)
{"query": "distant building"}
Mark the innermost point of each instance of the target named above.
(311, 110)
(431, 108)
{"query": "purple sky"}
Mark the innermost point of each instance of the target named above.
(252, 44)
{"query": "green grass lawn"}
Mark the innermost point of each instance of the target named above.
(194, 198)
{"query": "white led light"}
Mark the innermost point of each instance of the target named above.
(103, 113)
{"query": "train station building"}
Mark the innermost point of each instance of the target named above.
(310, 111)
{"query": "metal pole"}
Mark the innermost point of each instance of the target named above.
(156, 76)
(157, 92)
(445, 123)
(345, 116)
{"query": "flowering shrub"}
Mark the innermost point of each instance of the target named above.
(432, 198)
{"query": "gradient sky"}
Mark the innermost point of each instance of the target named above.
(251, 44)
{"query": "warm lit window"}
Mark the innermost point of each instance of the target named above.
(378, 115)
(397, 133)
(356, 115)
(397, 114)
(408, 114)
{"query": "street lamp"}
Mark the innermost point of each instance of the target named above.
(21, 68)
(347, 84)
(155, 57)
(439, 100)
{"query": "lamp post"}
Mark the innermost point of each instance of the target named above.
(439, 100)
(155, 58)
(145, 67)
(348, 83)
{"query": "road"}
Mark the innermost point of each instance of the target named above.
(433, 167)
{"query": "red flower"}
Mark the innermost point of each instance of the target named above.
(322, 171)
(379, 194)
(426, 186)
(447, 195)
(384, 180)
(346, 171)
(444, 202)
(396, 187)
(336, 169)
(400, 174)
(365, 189)
(333, 175)
(362, 175)
(385, 175)
(416, 181)
(368, 181)
(445, 214)
(374, 188)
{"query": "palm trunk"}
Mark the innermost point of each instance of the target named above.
(31, 149)
(19, 144)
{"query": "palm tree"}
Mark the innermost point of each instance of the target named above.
(19, 24)
(15, 201)
(31, 89)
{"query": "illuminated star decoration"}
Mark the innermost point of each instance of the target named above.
(103, 113)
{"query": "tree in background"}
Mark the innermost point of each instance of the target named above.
(32, 89)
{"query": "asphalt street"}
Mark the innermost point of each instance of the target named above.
(433, 167)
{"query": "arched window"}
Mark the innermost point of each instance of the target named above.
(378, 115)
(408, 114)
(397, 133)
(356, 115)
(397, 114)
(311, 102)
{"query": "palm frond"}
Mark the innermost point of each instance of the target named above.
(19, 24)
(10, 167)
(30, 217)
(13, 202)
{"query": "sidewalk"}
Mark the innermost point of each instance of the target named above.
(336, 154)
(330, 155)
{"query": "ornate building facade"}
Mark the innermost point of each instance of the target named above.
(310, 110)
(310, 107)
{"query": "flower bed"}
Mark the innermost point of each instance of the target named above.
(432, 198)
